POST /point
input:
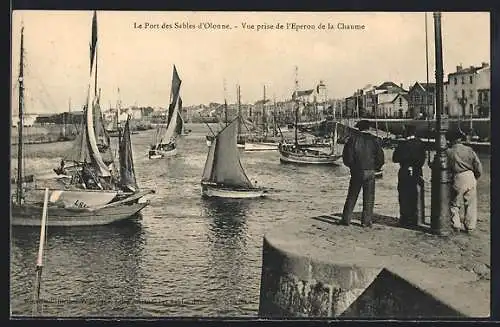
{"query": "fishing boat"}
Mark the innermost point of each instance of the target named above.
(304, 154)
(223, 174)
(165, 138)
(73, 207)
(260, 140)
(240, 140)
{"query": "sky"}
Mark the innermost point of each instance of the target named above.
(211, 62)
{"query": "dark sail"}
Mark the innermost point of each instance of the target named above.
(80, 150)
(180, 122)
(93, 44)
(127, 172)
(175, 88)
(226, 166)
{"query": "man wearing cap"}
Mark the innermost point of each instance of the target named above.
(410, 154)
(465, 168)
(364, 156)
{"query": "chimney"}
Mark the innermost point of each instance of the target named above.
(401, 85)
(484, 64)
(459, 67)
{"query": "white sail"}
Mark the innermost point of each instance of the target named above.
(170, 132)
(102, 169)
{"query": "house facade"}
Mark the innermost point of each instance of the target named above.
(464, 88)
(421, 100)
(392, 105)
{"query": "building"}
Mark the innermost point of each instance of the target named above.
(392, 105)
(463, 89)
(421, 100)
(365, 102)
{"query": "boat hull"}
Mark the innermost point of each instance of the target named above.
(261, 146)
(30, 215)
(211, 191)
(287, 157)
(72, 198)
(239, 146)
(158, 154)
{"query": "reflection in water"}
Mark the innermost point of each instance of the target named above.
(90, 269)
(228, 238)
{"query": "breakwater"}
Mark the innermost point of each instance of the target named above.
(480, 127)
(44, 134)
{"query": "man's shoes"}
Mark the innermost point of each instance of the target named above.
(343, 223)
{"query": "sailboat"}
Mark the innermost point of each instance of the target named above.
(114, 128)
(165, 138)
(260, 141)
(76, 207)
(240, 140)
(223, 174)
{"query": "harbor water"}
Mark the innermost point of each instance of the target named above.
(184, 255)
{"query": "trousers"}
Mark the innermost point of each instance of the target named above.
(364, 179)
(464, 188)
(410, 196)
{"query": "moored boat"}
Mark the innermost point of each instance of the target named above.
(78, 206)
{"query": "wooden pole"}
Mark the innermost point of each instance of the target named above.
(19, 191)
(39, 261)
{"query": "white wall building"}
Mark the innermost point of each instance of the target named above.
(463, 88)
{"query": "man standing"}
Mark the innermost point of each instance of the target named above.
(364, 156)
(410, 154)
(465, 168)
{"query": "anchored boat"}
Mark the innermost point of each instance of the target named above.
(223, 175)
(73, 206)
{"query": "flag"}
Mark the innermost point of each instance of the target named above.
(93, 44)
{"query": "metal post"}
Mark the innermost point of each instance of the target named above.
(440, 203)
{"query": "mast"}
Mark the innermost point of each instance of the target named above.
(118, 108)
(239, 109)
(95, 82)
(20, 124)
(297, 104)
(264, 122)
(225, 103)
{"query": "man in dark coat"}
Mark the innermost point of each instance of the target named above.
(410, 154)
(364, 156)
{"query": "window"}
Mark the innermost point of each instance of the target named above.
(463, 80)
(463, 93)
(471, 108)
(455, 79)
(485, 96)
(471, 80)
(471, 94)
(400, 101)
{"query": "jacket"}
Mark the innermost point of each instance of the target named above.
(363, 152)
(462, 158)
(410, 153)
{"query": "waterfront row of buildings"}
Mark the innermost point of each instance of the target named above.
(466, 93)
